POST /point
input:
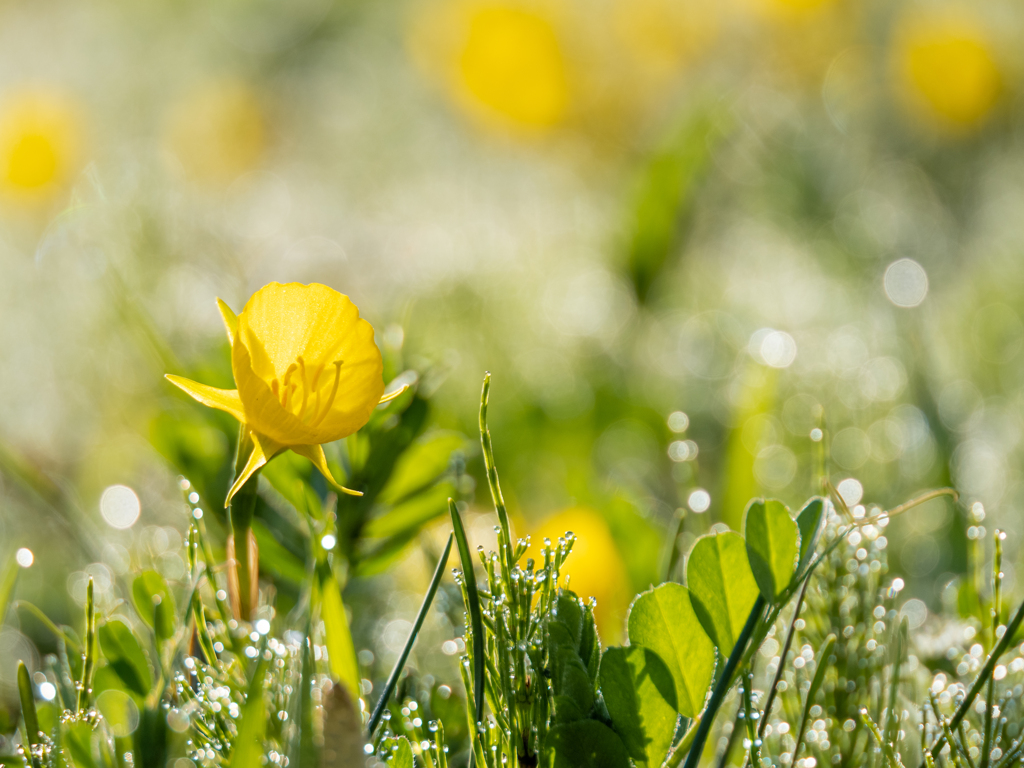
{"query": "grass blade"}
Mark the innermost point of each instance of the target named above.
(816, 681)
(770, 701)
(983, 676)
(28, 704)
(492, 478)
(428, 599)
(253, 724)
(473, 604)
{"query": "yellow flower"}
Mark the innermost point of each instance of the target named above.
(217, 131)
(39, 144)
(662, 36)
(503, 61)
(595, 566)
(307, 370)
(948, 68)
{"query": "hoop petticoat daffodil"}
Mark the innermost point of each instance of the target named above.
(307, 370)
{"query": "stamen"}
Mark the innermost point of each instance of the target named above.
(334, 392)
(287, 394)
(275, 387)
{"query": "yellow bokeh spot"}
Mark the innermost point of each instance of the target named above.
(217, 131)
(663, 35)
(595, 566)
(790, 8)
(40, 134)
(505, 63)
(512, 63)
(950, 70)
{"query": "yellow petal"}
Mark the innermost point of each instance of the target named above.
(226, 400)
(315, 453)
(230, 320)
(283, 326)
(392, 395)
(263, 450)
(263, 411)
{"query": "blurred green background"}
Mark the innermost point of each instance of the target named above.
(682, 235)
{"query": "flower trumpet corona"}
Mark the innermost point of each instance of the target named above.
(307, 370)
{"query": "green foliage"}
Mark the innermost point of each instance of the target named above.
(663, 620)
(154, 603)
(641, 697)
(125, 657)
(773, 543)
(584, 744)
(722, 586)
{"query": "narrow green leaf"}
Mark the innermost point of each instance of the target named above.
(811, 521)
(585, 744)
(154, 603)
(411, 514)
(722, 587)
(473, 608)
(252, 725)
(640, 695)
(275, 558)
(663, 620)
(125, 657)
(421, 464)
(28, 704)
(773, 543)
(389, 687)
(341, 651)
(7, 582)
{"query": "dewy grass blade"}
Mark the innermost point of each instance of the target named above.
(770, 701)
(428, 599)
(492, 478)
(473, 600)
(983, 676)
(816, 681)
(89, 655)
(28, 704)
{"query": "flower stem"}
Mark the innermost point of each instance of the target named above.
(243, 553)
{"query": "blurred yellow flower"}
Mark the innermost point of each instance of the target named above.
(661, 36)
(217, 131)
(503, 61)
(40, 142)
(307, 369)
(595, 566)
(948, 68)
(792, 9)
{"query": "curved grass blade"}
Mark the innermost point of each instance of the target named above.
(816, 681)
(473, 606)
(389, 687)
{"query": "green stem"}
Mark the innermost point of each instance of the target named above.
(245, 568)
(723, 685)
(89, 655)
